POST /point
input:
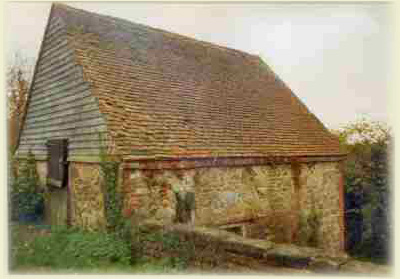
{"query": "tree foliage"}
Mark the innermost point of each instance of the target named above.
(18, 77)
(367, 187)
(363, 133)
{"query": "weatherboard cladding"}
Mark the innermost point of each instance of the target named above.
(166, 94)
(60, 105)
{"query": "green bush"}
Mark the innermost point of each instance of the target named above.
(367, 189)
(171, 242)
(24, 192)
(71, 249)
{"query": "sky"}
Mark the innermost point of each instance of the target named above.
(336, 57)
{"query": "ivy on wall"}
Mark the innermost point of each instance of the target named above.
(109, 168)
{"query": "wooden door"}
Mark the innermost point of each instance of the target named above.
(57, 180)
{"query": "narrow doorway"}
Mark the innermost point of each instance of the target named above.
(56, 206)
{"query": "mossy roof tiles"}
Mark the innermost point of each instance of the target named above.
(172, 95)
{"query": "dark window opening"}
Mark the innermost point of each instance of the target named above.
(57, 162)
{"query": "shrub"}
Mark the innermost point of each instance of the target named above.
(171, 244)
(71, 249)
(24, 192)
(367, 188)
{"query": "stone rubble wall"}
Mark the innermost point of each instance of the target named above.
(257, 197)
(267, 201)
(87, 196)
(320, 191)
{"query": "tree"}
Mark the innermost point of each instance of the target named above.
(18, 77)
(367, 187)
(19, 73)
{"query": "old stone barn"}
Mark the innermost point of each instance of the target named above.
(184, 118)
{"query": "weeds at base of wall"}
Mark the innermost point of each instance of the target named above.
(67, 249)
(168, 243)
(72, 250)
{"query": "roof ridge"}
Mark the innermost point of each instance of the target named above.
(154, 29)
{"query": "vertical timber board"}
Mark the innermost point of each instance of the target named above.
(57, 179)
(58, 207)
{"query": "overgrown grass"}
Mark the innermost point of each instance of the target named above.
(73, 250)
(170, 242)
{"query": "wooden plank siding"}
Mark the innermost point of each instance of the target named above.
(61, 104)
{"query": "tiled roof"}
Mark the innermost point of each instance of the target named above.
(167, 94)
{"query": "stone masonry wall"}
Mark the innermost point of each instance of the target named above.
(222, 195)
(87, 197)
(269, 195)
(320, 191)
(150, 194)
(234, 195)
